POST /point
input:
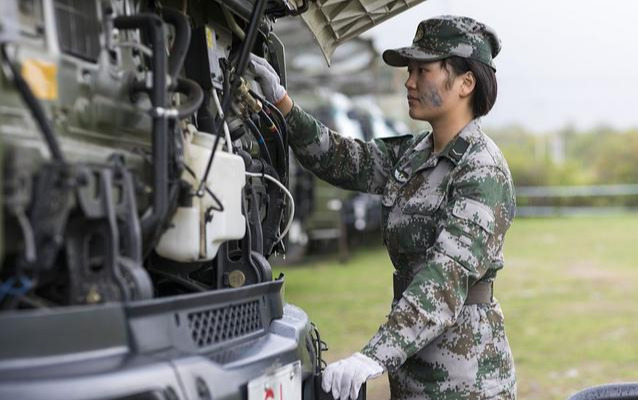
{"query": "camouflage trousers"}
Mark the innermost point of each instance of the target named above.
(471, 360)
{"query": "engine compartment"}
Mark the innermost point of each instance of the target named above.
(140, 159)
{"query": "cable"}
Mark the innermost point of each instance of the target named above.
(274, 120)
(247, 45)
(186, 282)
(280, 144)
(220, 113)
(9, 288)
(30, 250)
(137, 46)
(286, 11)
(292, 201)
(220, 206)
(281, 119)
(273, 127)
(34, 106)
(232, 23)
(283, 130)
(281, 126)
(260, 140)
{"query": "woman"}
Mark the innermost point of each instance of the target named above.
(448, 199)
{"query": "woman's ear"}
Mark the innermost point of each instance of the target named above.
(468, 84)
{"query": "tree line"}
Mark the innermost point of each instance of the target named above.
(600, 156)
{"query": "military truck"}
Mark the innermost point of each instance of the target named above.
(144, 188)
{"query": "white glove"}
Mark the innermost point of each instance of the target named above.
(268, 79)
(346, 376)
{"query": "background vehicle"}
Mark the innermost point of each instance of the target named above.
(322, 218)
(330, 213)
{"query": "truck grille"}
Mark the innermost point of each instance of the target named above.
(78, 28)
(217, 325)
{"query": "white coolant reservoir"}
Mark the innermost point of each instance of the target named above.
(189, 241)
(180, 242)
(226, 180)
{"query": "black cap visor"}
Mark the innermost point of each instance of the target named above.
(400, 57)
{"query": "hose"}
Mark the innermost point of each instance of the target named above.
(154, 27)
(188, 87)
(304, 7)
(232, 23)
(194, 95)
(182, 40)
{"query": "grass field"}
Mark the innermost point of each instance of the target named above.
(568, 292)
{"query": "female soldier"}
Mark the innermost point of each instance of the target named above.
(448, 200)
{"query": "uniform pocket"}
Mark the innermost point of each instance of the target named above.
(475, 212)
(415, 227)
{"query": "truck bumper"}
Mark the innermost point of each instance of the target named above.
(196, 346)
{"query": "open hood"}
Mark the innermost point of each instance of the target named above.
(335, 21)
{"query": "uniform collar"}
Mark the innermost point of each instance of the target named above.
(455, 149)
(422, 156)
(470, 134)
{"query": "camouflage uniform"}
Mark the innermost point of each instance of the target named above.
(444, 216)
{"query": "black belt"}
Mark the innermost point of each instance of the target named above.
(479, 293)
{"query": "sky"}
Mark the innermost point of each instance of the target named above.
(564, 63)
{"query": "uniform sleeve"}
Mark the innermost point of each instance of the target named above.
(348, 163)
(469, 242)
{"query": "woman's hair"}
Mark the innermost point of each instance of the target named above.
(486, 88)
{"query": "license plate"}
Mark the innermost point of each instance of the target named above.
(282, 384)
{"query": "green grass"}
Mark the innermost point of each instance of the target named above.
(568, 292)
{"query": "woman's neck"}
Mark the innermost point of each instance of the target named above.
(445, 129)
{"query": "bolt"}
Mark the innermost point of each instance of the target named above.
(93, 296)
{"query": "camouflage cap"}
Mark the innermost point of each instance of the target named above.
(448, 35)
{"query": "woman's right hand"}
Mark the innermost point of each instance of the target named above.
(274, 92)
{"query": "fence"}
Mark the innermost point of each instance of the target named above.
(534, 201)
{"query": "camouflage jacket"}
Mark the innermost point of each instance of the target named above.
(445, 216)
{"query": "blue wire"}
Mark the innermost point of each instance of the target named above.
(8, 288)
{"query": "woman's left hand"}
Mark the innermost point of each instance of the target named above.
(345, 377)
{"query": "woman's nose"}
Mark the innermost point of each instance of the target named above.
(410, 82)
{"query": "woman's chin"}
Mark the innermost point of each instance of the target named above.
(414, 114)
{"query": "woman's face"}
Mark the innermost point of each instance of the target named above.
(431, 92)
